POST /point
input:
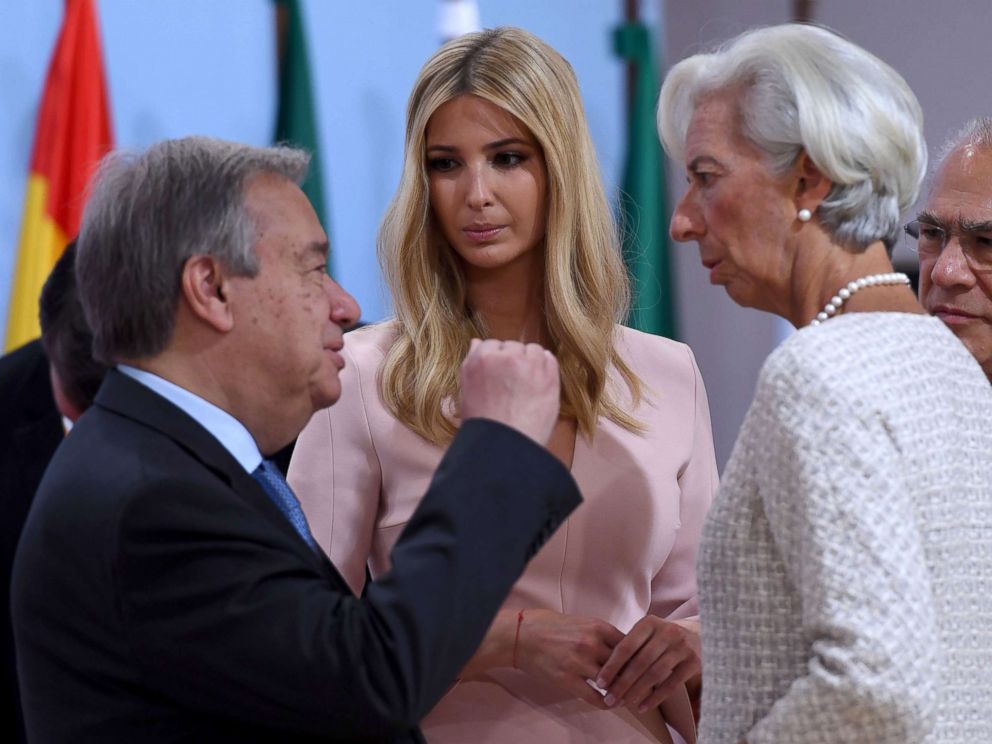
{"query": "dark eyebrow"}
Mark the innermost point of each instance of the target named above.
(490, 146)
(931, 219)
(319, 248)
(508, 141)
(965, 225)
(975, 226)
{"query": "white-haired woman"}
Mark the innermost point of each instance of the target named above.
(500, 229)
(846, 565)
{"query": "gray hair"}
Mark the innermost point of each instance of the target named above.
(147, 214)
(806, 88)
(976, 133)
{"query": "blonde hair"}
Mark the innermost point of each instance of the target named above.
(586, 286)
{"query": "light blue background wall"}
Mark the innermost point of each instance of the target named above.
(181, 66)
(177, 67)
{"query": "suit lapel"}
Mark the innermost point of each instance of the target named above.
(129, 398)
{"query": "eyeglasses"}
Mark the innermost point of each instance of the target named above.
(930, 239)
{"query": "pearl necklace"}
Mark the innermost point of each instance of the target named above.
(844, 293)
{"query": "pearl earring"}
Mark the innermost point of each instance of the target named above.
(804, 215)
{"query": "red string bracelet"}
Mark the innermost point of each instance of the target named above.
(516, 638)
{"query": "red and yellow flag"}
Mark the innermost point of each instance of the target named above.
(73, 133)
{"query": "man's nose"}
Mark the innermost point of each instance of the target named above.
(345, 311)
(951, 269)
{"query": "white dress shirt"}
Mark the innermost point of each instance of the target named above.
(226, 429)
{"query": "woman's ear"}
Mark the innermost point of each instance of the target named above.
(812, 186)
(206, 289)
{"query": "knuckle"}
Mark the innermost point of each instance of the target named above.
(662, 676)
(665, 689)
(582, 646)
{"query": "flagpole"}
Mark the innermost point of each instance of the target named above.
(631, 14)
(803, 11)
(281, 28)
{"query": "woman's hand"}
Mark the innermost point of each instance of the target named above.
(654, 659)
(566, 650)
(561, 650)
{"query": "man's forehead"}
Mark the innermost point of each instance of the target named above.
(278, 207)
(963, 183)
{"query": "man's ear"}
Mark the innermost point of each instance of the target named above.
(206, 289)
(812, 186)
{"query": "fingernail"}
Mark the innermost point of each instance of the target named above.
(610, 701)
(642, 708)
(601, 683)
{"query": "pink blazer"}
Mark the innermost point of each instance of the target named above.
(627, 551)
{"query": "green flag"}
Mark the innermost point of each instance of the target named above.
(642, 198)
(296, 115)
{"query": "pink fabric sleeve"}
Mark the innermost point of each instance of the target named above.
(336, 476)
(673, 589)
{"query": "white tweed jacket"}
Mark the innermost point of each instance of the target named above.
(845, 571)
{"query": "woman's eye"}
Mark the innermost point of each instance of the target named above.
(442, 165)
(704, 178)
(509, 159)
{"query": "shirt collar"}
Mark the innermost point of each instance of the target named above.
(223, 426)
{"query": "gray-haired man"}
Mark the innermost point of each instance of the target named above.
(167, 587)
(954, 240)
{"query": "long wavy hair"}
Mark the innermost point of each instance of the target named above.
(586, 287)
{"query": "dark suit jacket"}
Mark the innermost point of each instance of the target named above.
(30, 430)
(159, 595)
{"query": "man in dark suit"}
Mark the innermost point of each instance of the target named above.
(30, 430)
(166, 587)
(43, 384)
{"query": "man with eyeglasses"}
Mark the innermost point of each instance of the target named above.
(953, 237)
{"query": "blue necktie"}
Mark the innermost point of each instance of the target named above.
(269, 477)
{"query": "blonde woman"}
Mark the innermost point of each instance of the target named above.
(500, 229)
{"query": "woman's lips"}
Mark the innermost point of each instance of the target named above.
(482, 233)
(712, 266)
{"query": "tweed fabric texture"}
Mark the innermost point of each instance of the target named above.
(845, 570)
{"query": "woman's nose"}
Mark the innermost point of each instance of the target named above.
(480, 192)
(686, 223)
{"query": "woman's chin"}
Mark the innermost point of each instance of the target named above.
(745, 295)
(738, 293)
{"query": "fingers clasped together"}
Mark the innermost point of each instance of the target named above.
(652, 661)
(640, 669)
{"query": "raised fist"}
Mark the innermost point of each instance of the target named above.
(513, 383)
